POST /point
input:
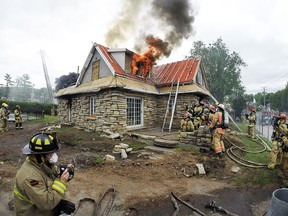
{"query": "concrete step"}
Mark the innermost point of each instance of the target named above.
(166, 143)
(159, 150)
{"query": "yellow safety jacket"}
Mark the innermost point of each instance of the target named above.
(252, 120)
(37, 191)
(18, 114)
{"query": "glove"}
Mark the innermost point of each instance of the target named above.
(64, 206)
(211, 130)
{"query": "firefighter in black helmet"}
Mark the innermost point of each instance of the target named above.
(38, 189)
(18, 117)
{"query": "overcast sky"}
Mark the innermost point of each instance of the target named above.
(65, 30)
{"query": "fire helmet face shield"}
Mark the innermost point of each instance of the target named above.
(41, 143)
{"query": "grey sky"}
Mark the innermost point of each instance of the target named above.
(65, 29)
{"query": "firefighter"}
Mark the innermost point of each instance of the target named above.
(217, 131)
(4, 115)
(279, 143)
(243, 118)
(186, 123)
(39, 189)
(18, 118)
(251, 124)
(210, 114)
(197, 113)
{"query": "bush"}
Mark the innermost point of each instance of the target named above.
(30, 107)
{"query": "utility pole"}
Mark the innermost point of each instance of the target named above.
(264, 99)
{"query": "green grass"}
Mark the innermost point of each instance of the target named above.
(46, 119)
(137, 146)
(260, 176)
(257, 176)
(99, 160)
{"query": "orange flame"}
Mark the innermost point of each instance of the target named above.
(156, 48)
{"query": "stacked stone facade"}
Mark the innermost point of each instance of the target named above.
(111, 110)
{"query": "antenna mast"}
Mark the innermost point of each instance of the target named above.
(48, 84)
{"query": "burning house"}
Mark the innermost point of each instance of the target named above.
(120, 90)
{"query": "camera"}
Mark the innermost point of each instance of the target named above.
(62, 168)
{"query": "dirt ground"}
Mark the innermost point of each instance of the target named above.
(142, 184)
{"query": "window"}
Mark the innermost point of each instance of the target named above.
(93, 106)
(134, 112)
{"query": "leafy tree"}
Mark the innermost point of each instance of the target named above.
(238, 100)
(279, 100)
(41, 95)
(66, 80)
(222, 68)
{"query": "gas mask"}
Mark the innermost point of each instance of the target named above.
(54, 158)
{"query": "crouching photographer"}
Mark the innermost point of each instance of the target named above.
(40, 187)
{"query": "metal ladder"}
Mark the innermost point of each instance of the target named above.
(171, 104)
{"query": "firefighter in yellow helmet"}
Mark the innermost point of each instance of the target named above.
(4, 115)
(217, 130)
(197, 113)
(18, 118)
(251, 125)
(186, 123)
(39, 188)
(279, 143)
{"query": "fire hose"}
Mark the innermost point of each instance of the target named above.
(232, 155)
(174, 199)
(97, 205)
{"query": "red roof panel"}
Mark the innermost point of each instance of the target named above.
(165, 74)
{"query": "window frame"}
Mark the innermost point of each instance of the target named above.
(135, 112)
(92, 106)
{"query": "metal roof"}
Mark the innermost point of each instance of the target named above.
(184, 70)
(159, 81)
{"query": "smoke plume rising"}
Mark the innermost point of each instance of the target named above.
(173, 17)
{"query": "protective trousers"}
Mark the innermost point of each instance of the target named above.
(217, 143)
(3, 125)
(275, 152)
(187, 126)
(251, 131)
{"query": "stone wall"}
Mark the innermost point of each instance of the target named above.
(183, 100)
(111, 110)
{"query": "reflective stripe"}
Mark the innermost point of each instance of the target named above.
(59, 186)
(21, 196)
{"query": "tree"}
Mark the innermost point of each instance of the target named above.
(23, 88)
(9, 82)
(66, 80)
(41, 95)
(222, 68)
(279, 100)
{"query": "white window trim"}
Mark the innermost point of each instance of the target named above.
(92, 105)
(142, 118)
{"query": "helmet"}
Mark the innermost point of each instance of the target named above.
(282, 116)
(17, 107)
(221, 106)
(186, 115)
(41, 143)
(212, 108)
(4, 105)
